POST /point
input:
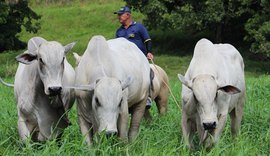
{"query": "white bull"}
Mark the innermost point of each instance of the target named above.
(119, 78)
(42, 101)
(159, 90)
(213, 86)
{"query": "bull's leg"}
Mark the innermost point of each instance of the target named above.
(162, 99)
(23, 130)
(85, 126)
(136, 116)
(41, 137)
(162, 103)
(84, 111)
(24, 127)
(236, 117)
(47, 128)
(187, 131)
(122, 124)
(147, 115)
(86, 129)
(51, 123)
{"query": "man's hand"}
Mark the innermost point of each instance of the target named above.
(150, 56)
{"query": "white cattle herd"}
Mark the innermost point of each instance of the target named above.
(112, 80)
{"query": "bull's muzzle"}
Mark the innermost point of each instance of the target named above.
(53, 91)
(110, 134)
(209, 125)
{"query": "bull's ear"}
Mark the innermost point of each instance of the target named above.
(69, 46)
(26, 58)
(34, 43)
(184, 81)
(230, 89)
(126, 83)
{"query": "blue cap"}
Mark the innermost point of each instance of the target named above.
(123, 10)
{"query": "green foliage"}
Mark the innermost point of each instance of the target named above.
(258, 27)
(13, 16)
(244, 21)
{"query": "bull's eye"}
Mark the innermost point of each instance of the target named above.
(41, 61)
(120, 103)
(97, 102)
(42, 65)
(195, 99)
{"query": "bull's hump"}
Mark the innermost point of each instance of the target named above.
(97, 47)
(96, 41)
(204, 48)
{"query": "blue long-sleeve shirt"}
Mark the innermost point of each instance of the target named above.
(135, 33)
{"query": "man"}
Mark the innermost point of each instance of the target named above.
(136, 33)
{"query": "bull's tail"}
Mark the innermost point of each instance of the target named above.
(5, 83)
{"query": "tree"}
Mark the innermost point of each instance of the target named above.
(258, 26)
(220, 20)
(14, 15)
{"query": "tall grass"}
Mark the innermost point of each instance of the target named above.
(162, 137)
(66, 21)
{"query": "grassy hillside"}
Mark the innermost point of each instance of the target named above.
(79, 21)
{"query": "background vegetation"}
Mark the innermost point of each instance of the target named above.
(236, 22)
(13, 16)
(67, 21)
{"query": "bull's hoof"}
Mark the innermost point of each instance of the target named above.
(148, 103)
(147, 107)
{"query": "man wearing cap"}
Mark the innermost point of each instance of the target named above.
(136, 33)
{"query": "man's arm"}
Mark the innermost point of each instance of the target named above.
(148, 44)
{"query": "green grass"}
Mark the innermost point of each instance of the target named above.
(79, 22)
(162, 137)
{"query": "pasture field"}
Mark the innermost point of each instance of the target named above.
(163, 136)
